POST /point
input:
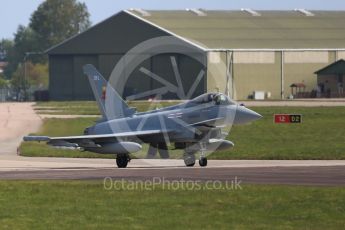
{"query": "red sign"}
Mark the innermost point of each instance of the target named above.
(287, 118)
(103, 92)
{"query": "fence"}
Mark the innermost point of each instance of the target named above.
(4, 94)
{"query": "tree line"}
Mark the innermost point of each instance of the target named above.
(51, 23)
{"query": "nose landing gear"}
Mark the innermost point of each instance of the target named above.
(203, 159)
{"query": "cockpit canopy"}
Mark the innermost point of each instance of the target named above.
(217, 98)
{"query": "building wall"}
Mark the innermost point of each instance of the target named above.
(252, 71)
(340, 55)
(104, 44)
(256, 71)
(264, 71)
(216, 71)
(299, 67)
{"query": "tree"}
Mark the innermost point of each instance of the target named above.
(56, 20)
(7, 47)
(3, 82)
(52, 22)
(37, 75)
(24, 41)
(17, 82)
(29, 77)
(3, 51)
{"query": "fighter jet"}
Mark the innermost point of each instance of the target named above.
(194, 125)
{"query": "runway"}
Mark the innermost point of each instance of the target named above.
(321, 173)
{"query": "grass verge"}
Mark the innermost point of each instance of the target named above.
(320, 136)
(87, 205)
(67, 108)
(90, 107)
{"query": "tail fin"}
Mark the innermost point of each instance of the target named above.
(116, 107)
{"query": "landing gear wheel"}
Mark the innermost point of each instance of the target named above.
(203, 161)
(189, 160)
(122, 160)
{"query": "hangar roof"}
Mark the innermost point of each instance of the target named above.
(212, 30)
(335, 68)
(242, 30)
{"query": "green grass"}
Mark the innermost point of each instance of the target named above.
(90, 107)
(69, 108)
(87, 205)
(320, 136)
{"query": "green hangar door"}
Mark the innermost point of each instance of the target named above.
(166, 76)
(61, 79)
(81, 84)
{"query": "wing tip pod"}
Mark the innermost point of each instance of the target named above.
(36, 138)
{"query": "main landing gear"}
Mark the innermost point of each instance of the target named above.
(122, 160)
(189, 157)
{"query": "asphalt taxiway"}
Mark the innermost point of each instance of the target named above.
(326, 173)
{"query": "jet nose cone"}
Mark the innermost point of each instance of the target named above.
(245, 115)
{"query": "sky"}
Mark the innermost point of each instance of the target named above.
(16, 12)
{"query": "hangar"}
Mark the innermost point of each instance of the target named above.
(330, 79)
(242, 52)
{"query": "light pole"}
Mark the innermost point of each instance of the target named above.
(27, 54)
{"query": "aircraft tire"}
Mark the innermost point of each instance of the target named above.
(122, 160)
(203, 161)
(189, 160)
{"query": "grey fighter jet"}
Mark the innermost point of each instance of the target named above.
(194, 125)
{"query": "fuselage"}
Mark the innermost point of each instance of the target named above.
(186, 122)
